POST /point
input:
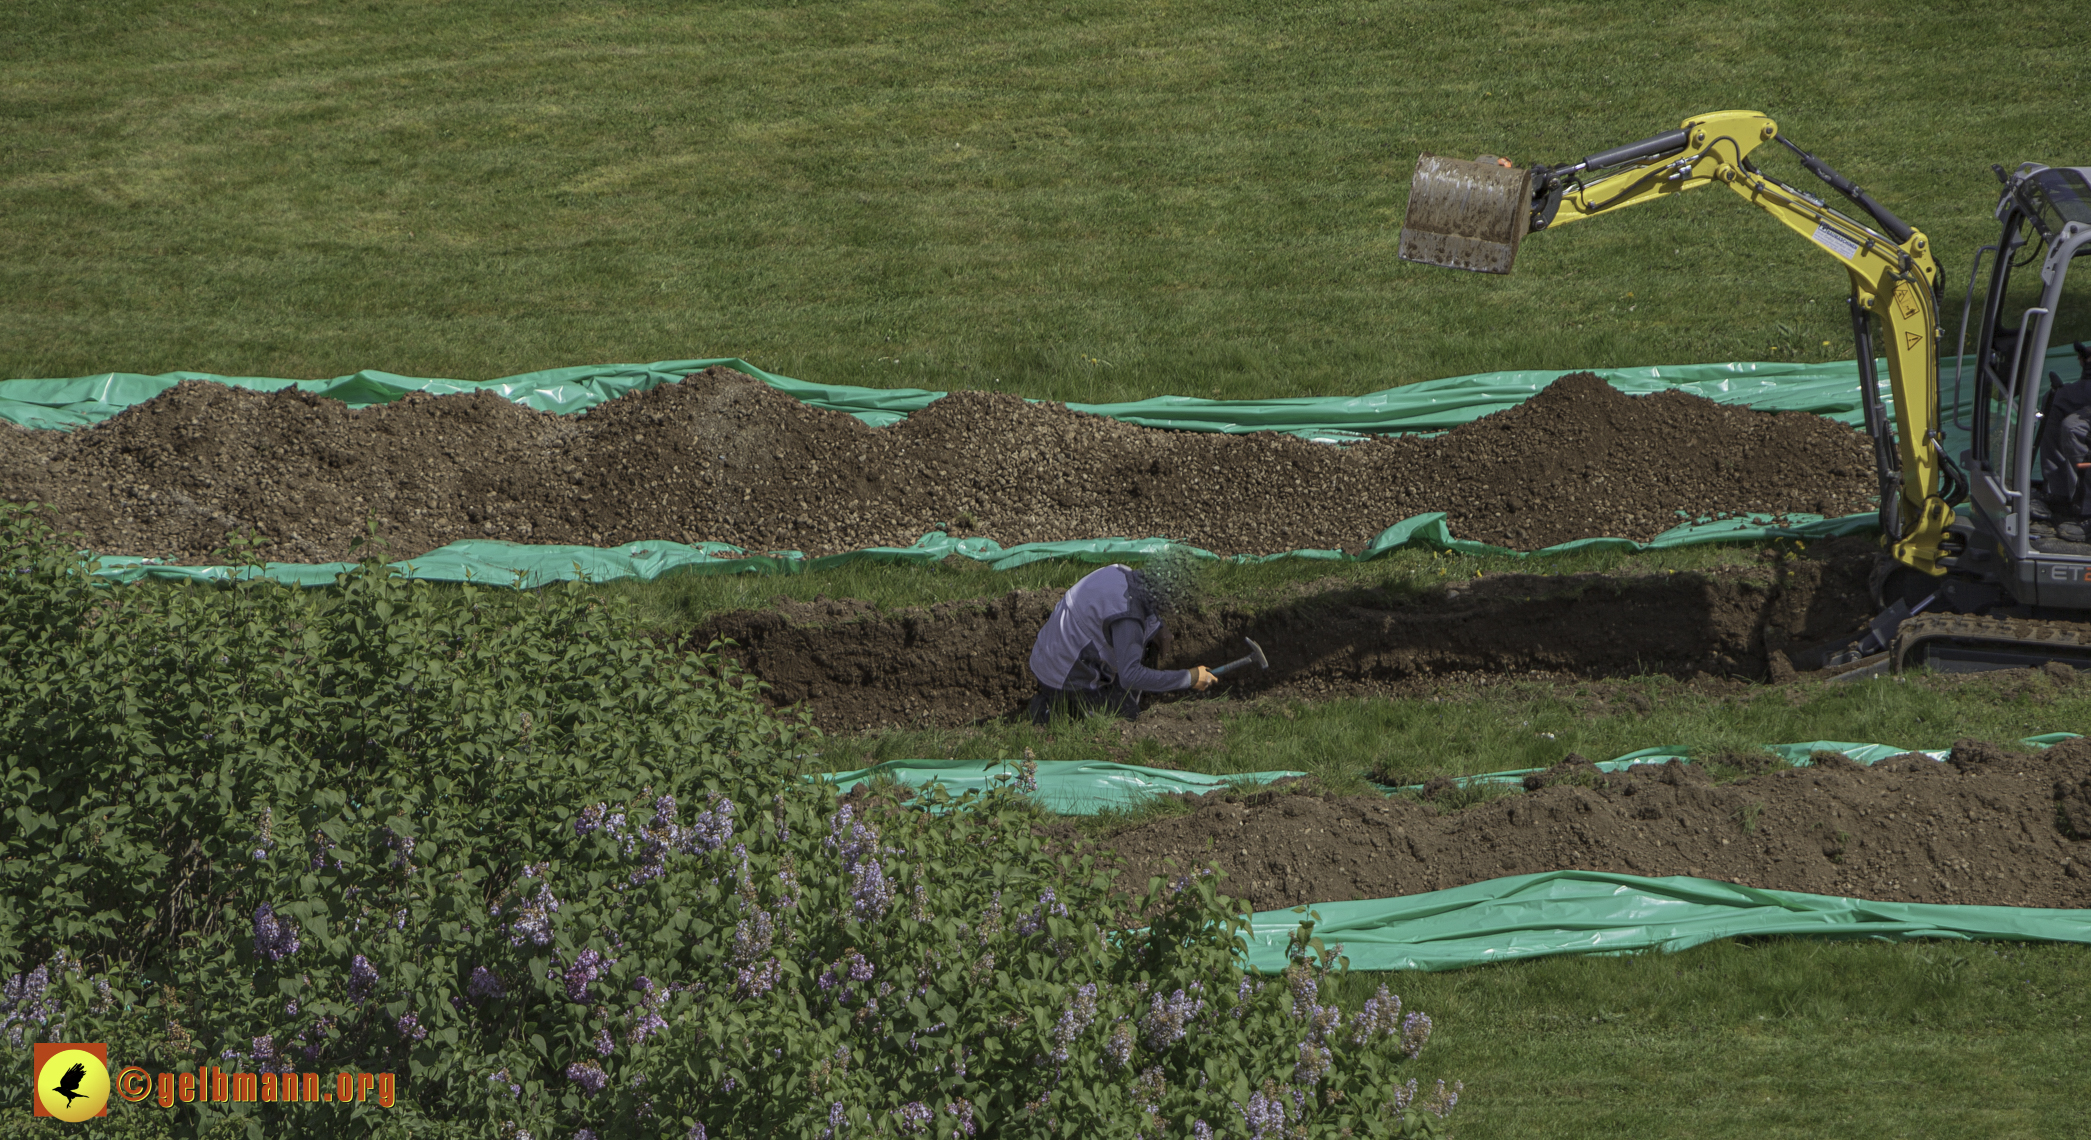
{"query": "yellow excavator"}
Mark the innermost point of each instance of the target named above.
(1993, 587)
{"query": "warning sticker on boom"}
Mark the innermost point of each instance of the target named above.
(1835, 242)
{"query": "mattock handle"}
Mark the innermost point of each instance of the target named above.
(1255, 658)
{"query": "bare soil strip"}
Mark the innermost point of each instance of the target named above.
(1990, 826)
(722, 457)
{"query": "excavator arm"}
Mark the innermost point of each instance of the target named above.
(1471, 216)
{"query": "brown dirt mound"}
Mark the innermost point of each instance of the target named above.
(1992, 827)
(961, 662)
(723, 457)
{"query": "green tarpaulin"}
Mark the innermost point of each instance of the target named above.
(1827, 389)
(1796, 754)
(81, 400)
(1591, 912)
(517, 564)
(1069, 787)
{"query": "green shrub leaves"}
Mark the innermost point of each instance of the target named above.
(555, 876)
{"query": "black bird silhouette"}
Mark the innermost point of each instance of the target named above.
(69, 1084)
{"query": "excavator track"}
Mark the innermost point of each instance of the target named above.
(1965, 643)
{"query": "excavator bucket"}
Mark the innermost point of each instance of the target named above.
(1466, 215)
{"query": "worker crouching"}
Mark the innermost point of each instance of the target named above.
(1088, 657)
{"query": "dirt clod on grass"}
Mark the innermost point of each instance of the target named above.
(1993, 826)
(722, 457)
(961, 662)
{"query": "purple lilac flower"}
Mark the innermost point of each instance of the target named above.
(1048, 903)
(914, 1117)
(1443, 1101)
(1415, 1030)
(587, 967)
(402, 850)
(1403, 1096)
(696, 1132)
(963, 1109)
(1314, 1064)
(1241, 995)
(410, 1027)
(275, 937)
(1169, 1019)
(755, 980)
(646, 1025)
(856, 844)
(604, 1043)
(590, 820)
(1265, 1112)
(711, 829)
(838, 1120)
(1322, 1020)
(1120, 1046)
(265, 839)
(1200, 1130)
(1073, 1020)
(290, 1008)
(534, 921)
(646, 1017)
(363, 979)
(485, 985)
(321, 847)
(1380, 1017)
(264, 1048)
(584, 1134)
(851, 967)
(991, 919)
(588, 1075)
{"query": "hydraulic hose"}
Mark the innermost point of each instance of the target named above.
(1896, 227)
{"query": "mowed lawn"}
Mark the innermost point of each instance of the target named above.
(1076, 199)
(1090, 201)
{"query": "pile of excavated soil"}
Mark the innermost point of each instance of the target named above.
(1989, 826)
(723, 457)
(961, 662)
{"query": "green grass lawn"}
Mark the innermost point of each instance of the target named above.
(1083, 199)
(1460, 729)
(678, 602)
(1785, 1038)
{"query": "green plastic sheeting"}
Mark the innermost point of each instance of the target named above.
(527, 566)
(66, 404)
(1828, 389)
(1795, 754)
(1591, 912)
(1069, 787)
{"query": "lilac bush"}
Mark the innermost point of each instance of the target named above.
(594, 899)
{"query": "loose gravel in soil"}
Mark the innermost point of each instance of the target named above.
(1990, 826)
(962, 662)
(722, 457)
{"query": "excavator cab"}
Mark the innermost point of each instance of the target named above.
(2024, 537)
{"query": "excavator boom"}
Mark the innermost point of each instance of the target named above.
(1472, 215)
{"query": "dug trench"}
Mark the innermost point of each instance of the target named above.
(1990, 826)
(856, 668)
(723, 457)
